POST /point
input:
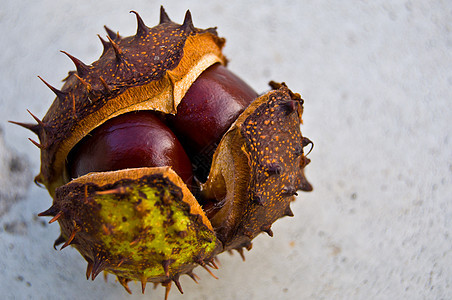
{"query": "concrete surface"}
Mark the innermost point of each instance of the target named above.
(377, 83)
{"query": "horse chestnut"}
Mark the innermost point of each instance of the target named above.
(212, 103)
(124, 136)
(132, 140)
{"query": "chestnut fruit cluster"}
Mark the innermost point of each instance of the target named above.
(158, 158)
(149, 139)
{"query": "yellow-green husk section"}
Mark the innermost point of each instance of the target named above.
(147, 230)
(140, 228)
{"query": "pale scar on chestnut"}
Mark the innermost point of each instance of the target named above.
(158, 158)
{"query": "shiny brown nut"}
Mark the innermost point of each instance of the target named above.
(132, 140)
(212, 103)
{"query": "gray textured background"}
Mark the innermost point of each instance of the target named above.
(377, 81)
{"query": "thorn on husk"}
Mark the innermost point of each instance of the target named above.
(113, 35)
(193, 276)
(107, 88)
(89, 270)
(105, 44)
(303, 184)
(37, 182)
(240, 251)
(50, 212)
(202, 264)
(40, 123)
(58, 241)
(40, 146)
(289, 106)
(125, 283)
(118, 51)
(99, 266)
(142, 29)
(167, 285)
(176, 281)
(82, 69)
(188, 22)
(306, 142)
(60, 94)
(57, 216)
(267, 229)
(288, 212)
(276, 85)
(163, 16)
(71, 237)
(213, 264)
(217, 260)
(87, 86)
(143, 284)
(248, 245)
(35, 128)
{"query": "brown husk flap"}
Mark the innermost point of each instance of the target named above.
(258, 167)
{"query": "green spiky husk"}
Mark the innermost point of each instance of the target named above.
(135, 229)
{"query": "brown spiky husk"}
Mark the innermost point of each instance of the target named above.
(257, 168)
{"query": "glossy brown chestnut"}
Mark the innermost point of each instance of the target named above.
(210, 106)
(137, 139)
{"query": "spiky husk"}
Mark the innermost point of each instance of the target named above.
(258, 167)
(145, 227)
(144, 224)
